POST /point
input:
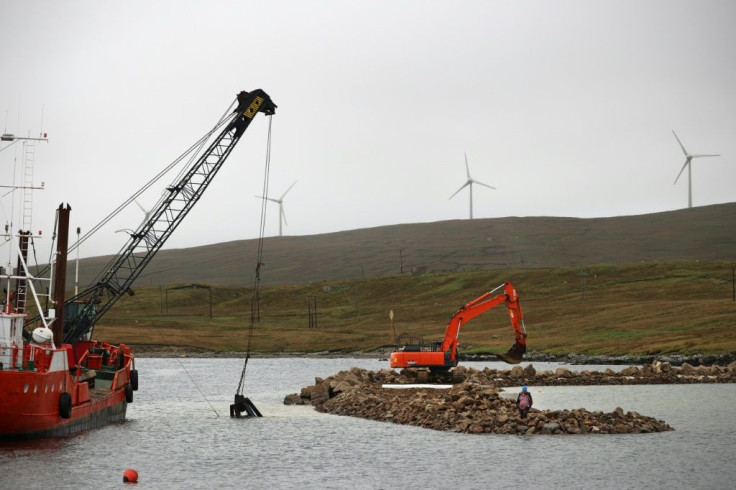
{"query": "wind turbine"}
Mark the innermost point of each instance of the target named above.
(280, 201)
(469, 183)
(688, 164)
(145, 212)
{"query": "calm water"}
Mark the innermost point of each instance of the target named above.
(179, 435)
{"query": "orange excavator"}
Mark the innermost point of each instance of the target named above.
(440, 357)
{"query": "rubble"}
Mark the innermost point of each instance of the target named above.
(474, 405)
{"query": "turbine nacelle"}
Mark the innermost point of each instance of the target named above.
(280, 202)
(688, 163)
(469, 183)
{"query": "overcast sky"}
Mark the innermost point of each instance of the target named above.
(565, 107)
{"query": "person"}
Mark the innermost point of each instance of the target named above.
(524, 401)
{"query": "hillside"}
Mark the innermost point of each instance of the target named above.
(702, 233)
(638, 309)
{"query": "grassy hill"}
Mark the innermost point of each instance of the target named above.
(702, 233)
(659, 283)
(649, 308)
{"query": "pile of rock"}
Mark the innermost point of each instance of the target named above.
(473, 406)
(654, 373)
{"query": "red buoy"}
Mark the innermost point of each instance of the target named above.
(130, 476)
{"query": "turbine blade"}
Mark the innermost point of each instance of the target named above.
(268, 198)
(463, 187)
(696, 156)
(283, 215)
(467, 169)
(484, 185)
(139, 205)
(681, 170)
(287, 190)
(680, 142)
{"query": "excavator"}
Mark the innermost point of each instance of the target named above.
(439, 357)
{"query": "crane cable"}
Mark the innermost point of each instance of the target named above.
(255, 297)
(192, 151)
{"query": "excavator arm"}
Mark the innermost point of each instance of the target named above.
(445, 357)
(480, 305)
(92, 303)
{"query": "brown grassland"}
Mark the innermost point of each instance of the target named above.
(684, 307)
(655, 283)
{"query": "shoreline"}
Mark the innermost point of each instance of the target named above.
(159, 351)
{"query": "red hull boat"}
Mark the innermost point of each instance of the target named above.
(57, 381)
(49, 388)
(50, 392)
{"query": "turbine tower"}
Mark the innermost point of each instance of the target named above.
(469, 183)
(280, 201)
(688, 164)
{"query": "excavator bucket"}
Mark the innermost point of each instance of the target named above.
(243, 407)
(514, 355)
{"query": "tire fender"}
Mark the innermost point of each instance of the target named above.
(65, 405)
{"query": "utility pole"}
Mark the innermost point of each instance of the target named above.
(583, 282)
(401, 261)
(391, 317)
(76, 274)
(312, 311)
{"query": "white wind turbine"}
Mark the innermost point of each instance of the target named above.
(688, 164)
(280, 201)
(469, 183)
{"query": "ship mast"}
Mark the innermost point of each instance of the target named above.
(24, 232)
(60, 274)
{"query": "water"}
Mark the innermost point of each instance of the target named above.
(179, 434)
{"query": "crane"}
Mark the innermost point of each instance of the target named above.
(90, 304)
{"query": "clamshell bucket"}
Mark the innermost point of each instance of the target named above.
(243, 407)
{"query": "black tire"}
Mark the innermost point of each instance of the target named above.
(134, 379)
(65, 405)
(129, 393)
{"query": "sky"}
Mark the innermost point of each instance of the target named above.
(566, 107)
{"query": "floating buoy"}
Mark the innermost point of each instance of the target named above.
(130, 476)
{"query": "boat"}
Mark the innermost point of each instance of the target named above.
(49, 388)
(57, 380)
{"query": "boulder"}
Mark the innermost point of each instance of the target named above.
(293, 399)
(472, 406)
(529, 371)
(516, 372)
(562, 372)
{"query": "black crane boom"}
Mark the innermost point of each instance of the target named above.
(93, 302)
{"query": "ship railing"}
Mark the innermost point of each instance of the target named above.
(16, 357)
(29, 279)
